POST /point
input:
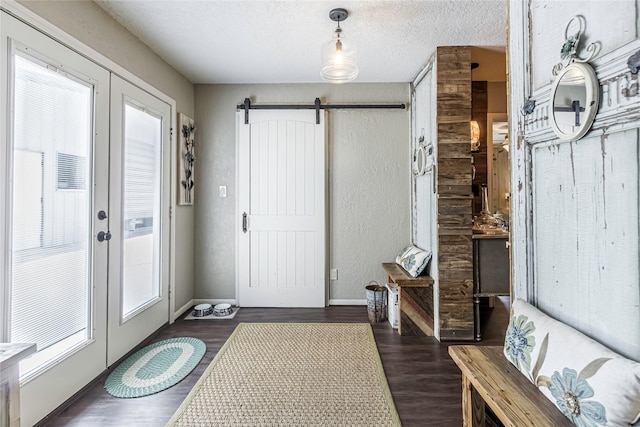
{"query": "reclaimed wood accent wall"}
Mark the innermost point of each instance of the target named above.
(479, 107)
(416, 311)
(455, 199)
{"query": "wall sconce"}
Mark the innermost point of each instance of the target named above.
(338, 55)
(475, 135)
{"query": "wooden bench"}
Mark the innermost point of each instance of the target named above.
(489, 378)
(415, 300)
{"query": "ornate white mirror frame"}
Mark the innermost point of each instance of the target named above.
(420, 161)
(575, 91)
(574, 101)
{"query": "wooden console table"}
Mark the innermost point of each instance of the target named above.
(415, 300)
(10, 356)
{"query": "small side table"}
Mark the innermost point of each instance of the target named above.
(10, 356)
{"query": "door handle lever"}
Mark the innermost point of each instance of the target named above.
(244, 222)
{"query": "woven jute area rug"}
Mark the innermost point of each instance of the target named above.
(292, 374)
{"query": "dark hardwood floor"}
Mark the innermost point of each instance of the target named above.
(424, 381)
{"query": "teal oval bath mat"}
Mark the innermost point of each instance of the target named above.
(155, 367)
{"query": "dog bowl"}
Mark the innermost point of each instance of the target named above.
(221, 310)
(202, 310)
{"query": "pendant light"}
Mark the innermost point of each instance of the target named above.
(338, 55)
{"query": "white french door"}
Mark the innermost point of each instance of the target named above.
(139, 211)
(84, 204)
(54, 181)
(281, 209)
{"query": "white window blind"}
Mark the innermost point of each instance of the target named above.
(51, 234)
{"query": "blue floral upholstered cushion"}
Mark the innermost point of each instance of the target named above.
(414, 260)
(590, 384)
(402, 253)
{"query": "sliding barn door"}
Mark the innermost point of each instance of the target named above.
(281, 209)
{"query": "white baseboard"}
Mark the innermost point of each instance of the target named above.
(182, 309)
(347, 302)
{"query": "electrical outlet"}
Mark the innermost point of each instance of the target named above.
(222, 191)
(333, 274)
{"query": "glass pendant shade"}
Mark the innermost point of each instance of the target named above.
(338, 60)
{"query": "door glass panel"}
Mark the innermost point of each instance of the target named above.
(141, 210)
(51, 211)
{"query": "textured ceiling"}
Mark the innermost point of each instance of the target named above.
(212, 41)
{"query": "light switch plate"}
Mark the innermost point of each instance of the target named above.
(333, 274)
(222, 191)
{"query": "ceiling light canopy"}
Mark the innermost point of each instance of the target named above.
(338, 55)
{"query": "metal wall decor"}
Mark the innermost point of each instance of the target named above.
(186, 159)
(528, 107)
(575, 90)
(571, 46)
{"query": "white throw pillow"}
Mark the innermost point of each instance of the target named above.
(590, 384)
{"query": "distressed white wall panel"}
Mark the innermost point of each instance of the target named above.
(586, 237)
(550, 18)
(423, 197)
(423, 209)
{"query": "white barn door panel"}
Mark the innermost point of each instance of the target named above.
(281, 209)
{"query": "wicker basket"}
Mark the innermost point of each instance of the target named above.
(376, 302)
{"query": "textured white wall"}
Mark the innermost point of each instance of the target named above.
(369, 181)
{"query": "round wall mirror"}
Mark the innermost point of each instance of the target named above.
(574, 101)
